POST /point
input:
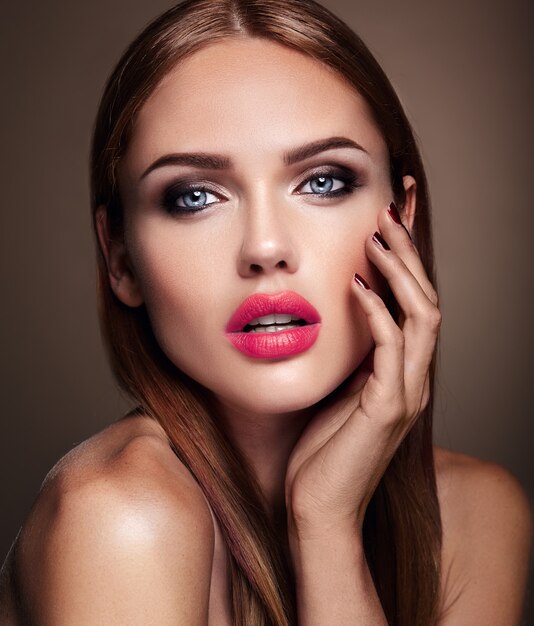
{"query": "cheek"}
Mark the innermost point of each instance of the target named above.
(345, 324)
(347, 254)
(169, 264)
(174, 277)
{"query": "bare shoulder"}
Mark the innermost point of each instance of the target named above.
(480, 494)
(120, 533)
(487, 532)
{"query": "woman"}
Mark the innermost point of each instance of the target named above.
(258, 196)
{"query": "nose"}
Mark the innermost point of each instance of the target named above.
(268, 241)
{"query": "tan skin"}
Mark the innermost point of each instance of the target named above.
(120, 532)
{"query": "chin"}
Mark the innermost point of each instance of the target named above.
(281, 395)
(291, 401)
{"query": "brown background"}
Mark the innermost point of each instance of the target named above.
(463, 70)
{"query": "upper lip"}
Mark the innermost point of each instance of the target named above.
(260, 304)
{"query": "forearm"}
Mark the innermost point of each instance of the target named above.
(334, 585)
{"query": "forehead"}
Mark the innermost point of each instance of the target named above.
(249, 93)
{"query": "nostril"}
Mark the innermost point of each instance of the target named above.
(258, 269)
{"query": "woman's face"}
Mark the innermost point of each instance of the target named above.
(234, 186)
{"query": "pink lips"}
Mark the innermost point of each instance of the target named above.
(274, 344)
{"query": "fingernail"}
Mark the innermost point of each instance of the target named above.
(377, 237)
(361, 281)
(394, 214)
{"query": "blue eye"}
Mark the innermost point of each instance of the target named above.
(323, 184)
(187, 199)
(329, 184)
(196, 199)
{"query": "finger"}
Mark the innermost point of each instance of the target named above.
(371, 430)
(406, 288)
(383, 392)
(394, 232)
(422, 317)
(355, 382)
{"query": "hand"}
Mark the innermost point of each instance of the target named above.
(341, 456)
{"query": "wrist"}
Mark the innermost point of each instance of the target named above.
(332, 576)
(315, 527)
(314, 540)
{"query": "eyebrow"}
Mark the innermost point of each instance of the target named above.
(316, 147)
(199, 159)
(221, 162)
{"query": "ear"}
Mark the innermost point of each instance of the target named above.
(408, 210)
(121, 277)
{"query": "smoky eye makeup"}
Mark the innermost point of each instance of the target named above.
(185, 197)
(329, 181)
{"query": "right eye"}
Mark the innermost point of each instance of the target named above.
(188, 199)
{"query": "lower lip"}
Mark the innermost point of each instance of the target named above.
(276, 345)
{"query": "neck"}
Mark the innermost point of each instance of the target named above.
(266, 441)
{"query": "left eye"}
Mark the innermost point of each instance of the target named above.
(322, 185)
(329, 183)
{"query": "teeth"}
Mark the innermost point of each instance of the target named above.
(276, 318)
(274, 323)
(273, 328)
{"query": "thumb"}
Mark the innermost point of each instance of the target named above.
(362, 373)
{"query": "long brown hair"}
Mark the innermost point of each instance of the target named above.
(402, 529)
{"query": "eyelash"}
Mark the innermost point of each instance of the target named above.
(172, 194)
(348, 178)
